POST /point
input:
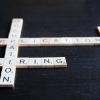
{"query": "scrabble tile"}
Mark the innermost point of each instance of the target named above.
(35, 62)
(45, 41)
(22, 62)
(66, 41)
(47, 62)
(35, 42)
(16, 28)
(54, 41)
(10, 61)
(25, 41)
(60, 62)
(12, 48)
(11, 54)
(7, 80)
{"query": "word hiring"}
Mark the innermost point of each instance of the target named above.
(45, 62)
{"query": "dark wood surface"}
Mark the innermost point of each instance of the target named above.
(43, 18)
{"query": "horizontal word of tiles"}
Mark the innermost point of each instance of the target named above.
(42, 62)
(62, 41)
(54, 41)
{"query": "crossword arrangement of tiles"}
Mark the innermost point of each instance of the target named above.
(13, 42)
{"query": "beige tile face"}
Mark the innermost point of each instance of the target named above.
(22, 62)
(25, 41)
(44, 41)
(47, 62)
(55, 41)
(35, 62)
(36, 41)
(60, 62)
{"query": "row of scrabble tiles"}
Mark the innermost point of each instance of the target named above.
(62, 41)
(42, 62)
(55, 41)
(9, 64)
